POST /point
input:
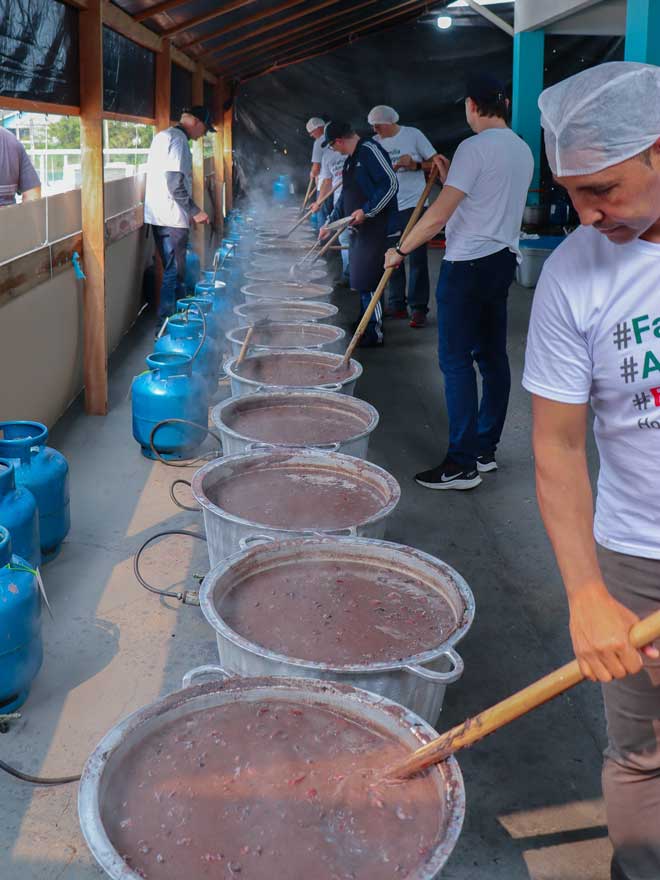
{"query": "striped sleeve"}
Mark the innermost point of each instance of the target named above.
(384, 178)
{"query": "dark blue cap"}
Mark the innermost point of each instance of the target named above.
(203, 114)
(484, 87)
(334, 130)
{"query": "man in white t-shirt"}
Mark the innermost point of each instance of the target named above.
(410, 152)
(330, 176)
(168, 201)
(481, 205)
(594, 341)
(315, 127)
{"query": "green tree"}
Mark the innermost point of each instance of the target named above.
(65, 133)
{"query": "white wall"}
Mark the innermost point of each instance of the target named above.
(41, 347)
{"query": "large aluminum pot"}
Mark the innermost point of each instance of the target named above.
(285, 290)
(225, 530)
(289, 311)
(241, 384)
(282, 272)
(277, 335)
(318, 405)
(106, 763)
(417, 681)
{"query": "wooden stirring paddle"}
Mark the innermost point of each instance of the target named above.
(382, 284)
(310, 212)
(471, 731)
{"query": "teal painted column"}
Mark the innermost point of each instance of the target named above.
(528, 56)
(643, 31)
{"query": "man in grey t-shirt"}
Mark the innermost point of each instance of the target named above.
(168, 201)
(17, 174)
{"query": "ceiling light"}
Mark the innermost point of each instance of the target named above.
(444, 22)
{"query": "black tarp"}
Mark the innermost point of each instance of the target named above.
(39, 51)
(128, 76)
(181, 96)
(416, 68)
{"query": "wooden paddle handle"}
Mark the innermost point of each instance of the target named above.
(244, 347)
(310, 185)
(362, 326)
(333, 238)
(311, 211)
(471, 731)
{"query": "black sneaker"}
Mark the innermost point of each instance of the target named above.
(448, 475)
(486, 463)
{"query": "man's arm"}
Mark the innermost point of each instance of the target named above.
(433, 221)
(177, 189)
(383, 179)
(29, 184)
(314, 170)
(326, 186)
(599, 625)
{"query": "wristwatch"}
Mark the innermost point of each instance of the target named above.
(397, 248)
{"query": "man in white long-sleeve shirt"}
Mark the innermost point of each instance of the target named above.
(168, 201)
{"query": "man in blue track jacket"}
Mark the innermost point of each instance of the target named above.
(369, 197)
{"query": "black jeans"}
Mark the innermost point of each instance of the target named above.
(171, 243)
(418, 280)
(472, 318)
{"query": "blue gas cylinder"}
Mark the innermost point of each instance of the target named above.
(21, 650)
(281, 188)
(185, 334)
(169, 390)
(205, 303)
(193, 267)
(43, 471)
(223, 302)
(19, 515)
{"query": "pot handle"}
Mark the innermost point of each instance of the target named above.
(326, 447)
(199, 671)
(350, 532)
(441, 677)
(334, 386)
(255, 445)
(254, 540)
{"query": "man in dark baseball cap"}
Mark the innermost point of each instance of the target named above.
(202, 114)
(335, 130)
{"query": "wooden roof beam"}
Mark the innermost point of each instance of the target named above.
(308, 10)
(361, 24)
(207, 16)
(157, 8)
(290, 34)
(411, 10)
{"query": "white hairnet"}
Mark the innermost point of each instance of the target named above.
(601, 117)
(314, 122)
(382, 115)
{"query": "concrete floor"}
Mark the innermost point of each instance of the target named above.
(533, 789)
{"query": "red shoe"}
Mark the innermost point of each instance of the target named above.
(397, 314)
(418, 319)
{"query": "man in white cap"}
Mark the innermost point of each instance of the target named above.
(410, 152)
(330, 178)
(594, 340)
(315, 127)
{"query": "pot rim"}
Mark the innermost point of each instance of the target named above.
(336, 458)
(408, 723)
(338, 334)
(356, 367)
(264, 550)
(331, 396)
(322, 290)
(290, 303)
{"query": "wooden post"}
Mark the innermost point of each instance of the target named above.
(228, 156)
(163, 86)
(163, 113)
(199, 230)
(218, 156)
(95, 357)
